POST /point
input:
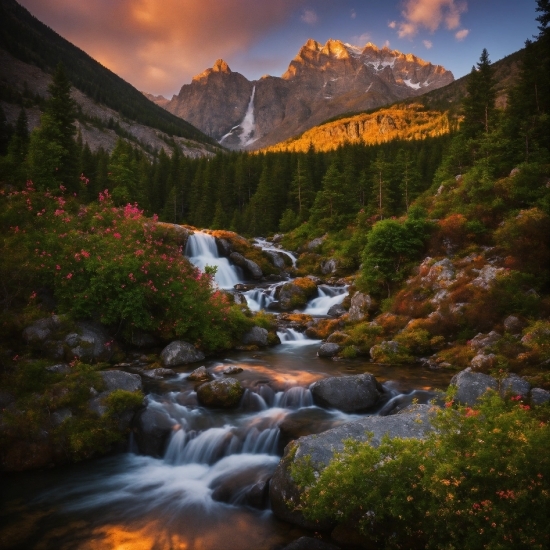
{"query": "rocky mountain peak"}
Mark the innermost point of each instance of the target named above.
(335, 48)
(221, 67)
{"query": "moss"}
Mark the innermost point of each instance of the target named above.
(120, 401)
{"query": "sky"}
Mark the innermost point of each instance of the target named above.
(159, 45)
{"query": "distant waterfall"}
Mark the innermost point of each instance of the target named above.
(202, 251)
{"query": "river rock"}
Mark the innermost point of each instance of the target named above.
(276, 259)
(328, 350)
(540, 396)
(152, 430)
(360, 305)
(309, 543)
(252, 268)
(304, 422)
(413, 422)
(232, 370)
(515, 385)
(158, 374)
(355, 393)
(180, 353)
(256, 336)
(292, 295)
(225, 393)
(200, 374)
(337, 310)
(224, 247)
(471, 386)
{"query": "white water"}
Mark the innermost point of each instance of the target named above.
(202, 251)
(328, 297)
(248, 124)
(267, 246)
(261, 298)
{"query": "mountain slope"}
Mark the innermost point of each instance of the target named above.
(29, 40)
(321, 82)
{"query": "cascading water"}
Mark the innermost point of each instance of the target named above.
(328, 296)
(201, 250)
(261, 298)
(268, 247)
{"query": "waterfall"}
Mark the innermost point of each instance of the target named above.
(201, 250)
(328, 296)
(261, 298)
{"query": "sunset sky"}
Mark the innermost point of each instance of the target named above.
(158, 45)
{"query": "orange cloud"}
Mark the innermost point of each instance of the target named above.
(158, 46)
(430, 14)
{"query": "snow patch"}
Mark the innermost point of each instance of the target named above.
(416, 86)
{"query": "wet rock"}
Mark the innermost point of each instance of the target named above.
(200, 374)
(337, 310)
(296, 293)
(224, 247)
(483, 362)
(309, 543)
(471, 386)
(158, 374)
(482, 341)
(277, 238)
(225, 393)
(354, 393)
(232, 370)
(180, 353)
(306, 422)
(328, 266)
(328, 349)
(256, 336)
(360, 305)
(284, 493)
(515, 385)
(252, 268)
(513, 324)
(152, 430)
(539, 396)
(236, 488)
(276, 259)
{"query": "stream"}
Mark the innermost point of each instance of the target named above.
(209, 491)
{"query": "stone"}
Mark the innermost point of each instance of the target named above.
(306, 421)
(354, 393)
(236, 488)
(487, 276)
(328, 266)
(232, 370)
(158, 374)
(89, 343)
(360, 305)
(513, 324)
(153, 428)
(224, 247)
(471, 386)
(60, 368)
(276, 259)
(120, 380)
(59, 416)
(482, 341)
(42, 330)
(539, 396)
(252, 268)
(292, 295)
(283, 491)
(180, 353)
(337, 310)
(309, 543)
(200, 374)
(225, 393)
(482, 361)
(515, 385)
(328, 349)
(256, 336)
(143, 339)
(514, 172)
(382, 350)
(315, 243)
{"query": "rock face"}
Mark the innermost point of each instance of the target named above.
(347, 393)
(224, 394)
(321, 82)
(412, 423)
(180, 353)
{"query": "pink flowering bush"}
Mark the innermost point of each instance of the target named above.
(114, 265)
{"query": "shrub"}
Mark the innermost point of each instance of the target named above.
(479, 481)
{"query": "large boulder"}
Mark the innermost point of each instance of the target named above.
(225, 248)
(470, 386)
(152, 430)
(225, 393)
(296, 293)
(328, 266)
(360, 305)
(251, 268)
(199, 375)
(354, 393)
(337, 310)
(413, 422)
(256, 336)
(329, 349)
(180, 353)
(515, 385)
(540, 396)
(89, 343)
(276, 259)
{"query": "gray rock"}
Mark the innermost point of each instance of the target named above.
(513, 324)
(59, 416)
(337, 310)
(180, 353)
(471, 386)
(328, 350)
(42, 330)
(315, 243)
(239, 299)
(199, 374)
(539, 396)
(291, 295)
(225, 393)
(158, 374)
(233, 370)
(153, 428)
(143, 340)
(321, 448)
(482, 341)
(309, 543)
(90, 343)
(328, 266)
(256, 336)
(515, 385)
(60, 368)
(384, 348)
(120, 380)
(224, 247)
(487, 276)
(252, 268)
(482, 361)
(360, 305)
(276, 259)
(354, 393)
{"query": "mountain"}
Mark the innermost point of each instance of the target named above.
(320, 82)
(30, 53)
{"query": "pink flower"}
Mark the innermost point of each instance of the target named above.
(117, 235)
(69, 276)
(58, 267)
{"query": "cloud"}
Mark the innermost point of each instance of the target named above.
(392, 24)
(353, 14)
(430, 14)
(386, 44)
(462, 34)
(427, 44)
(361, 40)
(309, 17)
(158, 46)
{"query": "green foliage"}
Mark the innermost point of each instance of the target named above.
(119, 401)
(479, 481)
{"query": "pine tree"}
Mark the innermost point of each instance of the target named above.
(381, 198)
(301, 191)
